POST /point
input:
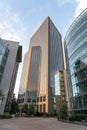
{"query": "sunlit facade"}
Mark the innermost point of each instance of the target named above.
(76, 59)
(23, 81)
(45, 59)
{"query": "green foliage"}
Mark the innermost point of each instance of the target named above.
(53, 114)
(38, 114)
(31, 110)
(44, 114)
(78, 117)
(5, 116)
(14, 107)
(41, 114)
(24, 109)
(63, 112)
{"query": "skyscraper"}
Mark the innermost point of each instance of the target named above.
(76, 60)
(4, 51)
(23, 81)
(45, 59)
(10, 53)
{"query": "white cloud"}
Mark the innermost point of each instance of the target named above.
(62, 2)
(11, 26)
(81, 5)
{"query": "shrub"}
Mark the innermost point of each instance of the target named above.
(41, 114)
(23, 114)
(45, 114)
(1, 116)
(5, 116)
(38, 114)
(25, 109)
(31, 110)
(63, 111)
(78, 117)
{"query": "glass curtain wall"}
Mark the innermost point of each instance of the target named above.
(76, 46)
(3, 57)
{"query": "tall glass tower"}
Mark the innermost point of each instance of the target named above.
(45, 59)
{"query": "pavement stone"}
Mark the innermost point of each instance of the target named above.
(38, 124)
(5, 129)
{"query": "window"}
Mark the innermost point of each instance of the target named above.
(29, 100)
(34, 100)
(40, 99)
(44, 98)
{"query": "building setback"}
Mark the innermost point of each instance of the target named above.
(45, 59)
(23, 81)
(12, 56)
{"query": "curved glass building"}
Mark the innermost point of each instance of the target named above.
(76, 62)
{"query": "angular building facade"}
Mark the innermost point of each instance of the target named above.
(45, 59)
(76, 60)
(23, 81)
(10, 55)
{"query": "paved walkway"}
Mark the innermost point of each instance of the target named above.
(38, 124)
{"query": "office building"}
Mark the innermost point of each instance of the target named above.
(23, 81)
(10, 56)
(3, 57)
(76, 60)
(45, 60)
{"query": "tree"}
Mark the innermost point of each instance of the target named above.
(63, 112)
(14, 107)
(31, 110)
(24, 109)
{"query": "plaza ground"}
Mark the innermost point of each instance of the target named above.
(37, 124)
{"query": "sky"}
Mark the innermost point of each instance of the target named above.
(19, 19)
